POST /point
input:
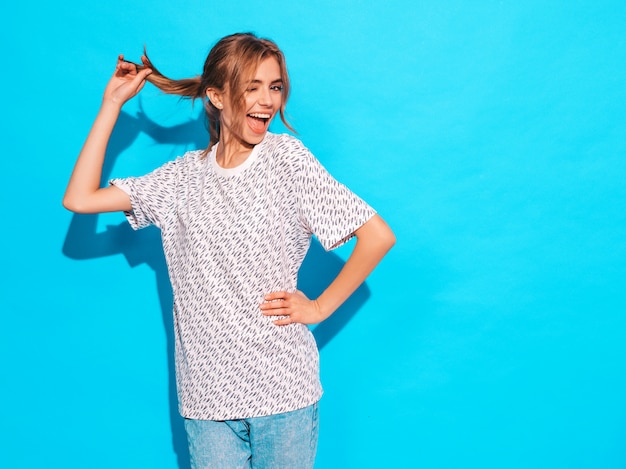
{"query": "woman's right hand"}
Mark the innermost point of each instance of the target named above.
(126, 81)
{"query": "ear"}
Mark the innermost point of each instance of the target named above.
(215, 97)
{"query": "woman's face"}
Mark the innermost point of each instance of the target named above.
(262, 99)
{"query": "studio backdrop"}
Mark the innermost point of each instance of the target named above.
(490, 135)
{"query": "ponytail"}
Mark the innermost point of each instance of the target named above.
(186, 88)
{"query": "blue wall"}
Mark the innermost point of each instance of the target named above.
(489, 134)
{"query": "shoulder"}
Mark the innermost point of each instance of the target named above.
(185, 162)
(172, 172)
(282, 143)
(191, 157)
(286, 150)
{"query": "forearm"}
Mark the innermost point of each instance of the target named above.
(374, 239)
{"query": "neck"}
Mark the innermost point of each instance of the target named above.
(232, 152)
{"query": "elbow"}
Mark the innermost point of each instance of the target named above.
(68, 204)
(387, 239)
(380, 235)
(391, 240)
(72, 204)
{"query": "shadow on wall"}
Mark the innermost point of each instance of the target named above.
(144, 246)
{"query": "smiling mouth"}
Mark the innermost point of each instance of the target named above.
(258, 121)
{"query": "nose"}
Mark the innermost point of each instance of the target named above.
(264, 97)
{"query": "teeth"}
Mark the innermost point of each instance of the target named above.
(260, 116)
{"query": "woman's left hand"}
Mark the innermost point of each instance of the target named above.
(292, 307)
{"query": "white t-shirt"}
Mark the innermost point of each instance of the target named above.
(231, 236)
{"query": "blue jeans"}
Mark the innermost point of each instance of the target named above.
(281, 441)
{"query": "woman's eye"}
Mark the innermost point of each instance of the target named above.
(276, 88)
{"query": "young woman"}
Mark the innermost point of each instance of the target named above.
(236, 221)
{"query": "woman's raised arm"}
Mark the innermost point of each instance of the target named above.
(83, 193)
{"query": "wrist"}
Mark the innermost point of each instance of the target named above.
(110, 105)
(323, 310)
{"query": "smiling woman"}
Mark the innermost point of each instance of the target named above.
(236, 220)
(261, 100)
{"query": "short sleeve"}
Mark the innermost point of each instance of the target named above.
(330, 210)
(152, 196)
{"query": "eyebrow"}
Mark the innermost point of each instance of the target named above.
(278, 80)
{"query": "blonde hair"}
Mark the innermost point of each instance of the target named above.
(230, 65)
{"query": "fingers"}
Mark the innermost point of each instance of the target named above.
(125, 65)
(277, 295)
(275, 307)
(290, 308)
(127, 80)
(276, 312)
(135, 76)
(285, 315)
(278, 304)
(284, 321)
(129, 67)
(139, 80)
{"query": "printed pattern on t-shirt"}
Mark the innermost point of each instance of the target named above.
(230, 236)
